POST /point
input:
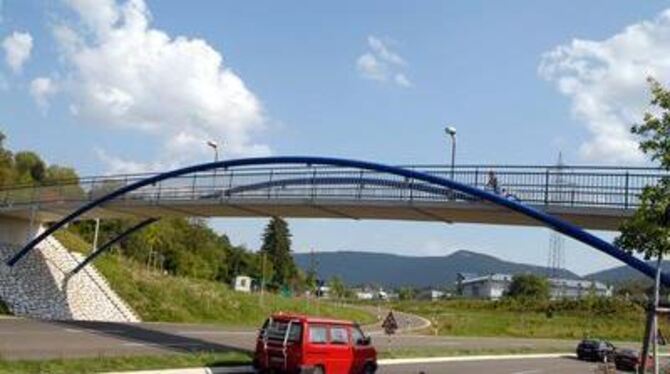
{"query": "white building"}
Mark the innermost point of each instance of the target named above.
(242, 283)
(431, 294)
(493, 286)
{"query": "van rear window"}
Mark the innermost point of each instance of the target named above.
(276, 330)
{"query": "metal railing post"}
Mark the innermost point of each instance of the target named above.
(546, 187)
(195, 178)
(626, 191)
(313, 183)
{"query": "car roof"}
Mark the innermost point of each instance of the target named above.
(309, 319)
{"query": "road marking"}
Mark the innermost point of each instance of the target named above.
(213, 370)
(138, 344)
(216, 332)
(428, 360)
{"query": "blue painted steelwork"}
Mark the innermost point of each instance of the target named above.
(359, 181)
(111, 242)
(559, 225)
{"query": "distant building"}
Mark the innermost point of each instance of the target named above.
(323, 292)
(242, 283)
(493, 286)
(433, 295)
(365, 295)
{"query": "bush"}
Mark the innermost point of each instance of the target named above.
(4, 309)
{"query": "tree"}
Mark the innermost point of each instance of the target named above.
(529, 287)
(6, 163)
(29, 167)
(338, 289)
(406, 293)
(277, 248)
(648, 230)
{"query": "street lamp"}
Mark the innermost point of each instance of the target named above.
(215, 147)
(451, 131)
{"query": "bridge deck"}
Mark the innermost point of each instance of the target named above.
(594, 198)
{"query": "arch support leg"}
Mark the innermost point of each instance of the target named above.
(110, 243)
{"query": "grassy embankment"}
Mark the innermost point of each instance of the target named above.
(159, 297)
(614, 320)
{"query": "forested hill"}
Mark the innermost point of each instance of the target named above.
(357, 268)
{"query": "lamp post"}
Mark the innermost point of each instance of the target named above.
(451, 131)
(215, 147)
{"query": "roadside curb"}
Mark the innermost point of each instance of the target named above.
(382, 362)
(205, 370)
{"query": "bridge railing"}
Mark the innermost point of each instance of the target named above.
(541, 185)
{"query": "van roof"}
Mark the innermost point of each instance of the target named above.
(309, 319)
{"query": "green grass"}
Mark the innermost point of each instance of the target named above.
(98, 364)
(158, 297)
(4, 310)
(72, 241)
(459, 318)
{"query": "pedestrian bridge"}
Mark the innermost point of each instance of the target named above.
(591, 197)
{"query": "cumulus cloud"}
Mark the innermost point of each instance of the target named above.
(41, 89)
(606, 82)
(17, 48)
(382, 64)
(124, 73)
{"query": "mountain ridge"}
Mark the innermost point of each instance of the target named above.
(394, 270)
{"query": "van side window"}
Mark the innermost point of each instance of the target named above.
(318, 334)
(339, 335)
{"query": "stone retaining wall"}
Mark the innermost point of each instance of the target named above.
(38, 286)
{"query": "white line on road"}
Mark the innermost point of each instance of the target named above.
(185, 344)
(216, 332)
(220, 370)
(428, 360)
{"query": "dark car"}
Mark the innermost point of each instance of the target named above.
(630, 360)
(595, 350)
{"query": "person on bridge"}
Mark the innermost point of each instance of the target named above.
(493, 182)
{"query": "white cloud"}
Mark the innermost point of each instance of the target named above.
(606, 81)
(125, 74)
(380, 63)
(41, 89)
(371, 68)
(401, 80)
(17, 48)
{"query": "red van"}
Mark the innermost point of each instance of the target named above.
(298, 344)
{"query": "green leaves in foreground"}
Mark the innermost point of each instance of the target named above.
(647, 231)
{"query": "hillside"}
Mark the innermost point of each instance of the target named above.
(390, 270)
(624, 273)
(156, 296)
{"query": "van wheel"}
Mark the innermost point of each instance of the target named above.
(319, 370)
(369, 369)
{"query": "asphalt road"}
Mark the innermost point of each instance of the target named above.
(32, 339)
(522, 366)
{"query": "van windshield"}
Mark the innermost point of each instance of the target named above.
(276, 330)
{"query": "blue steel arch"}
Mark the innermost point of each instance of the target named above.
(361, 181)
(559, 225)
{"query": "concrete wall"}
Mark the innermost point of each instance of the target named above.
(38, 286)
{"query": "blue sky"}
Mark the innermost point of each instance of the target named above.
(125, 86)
